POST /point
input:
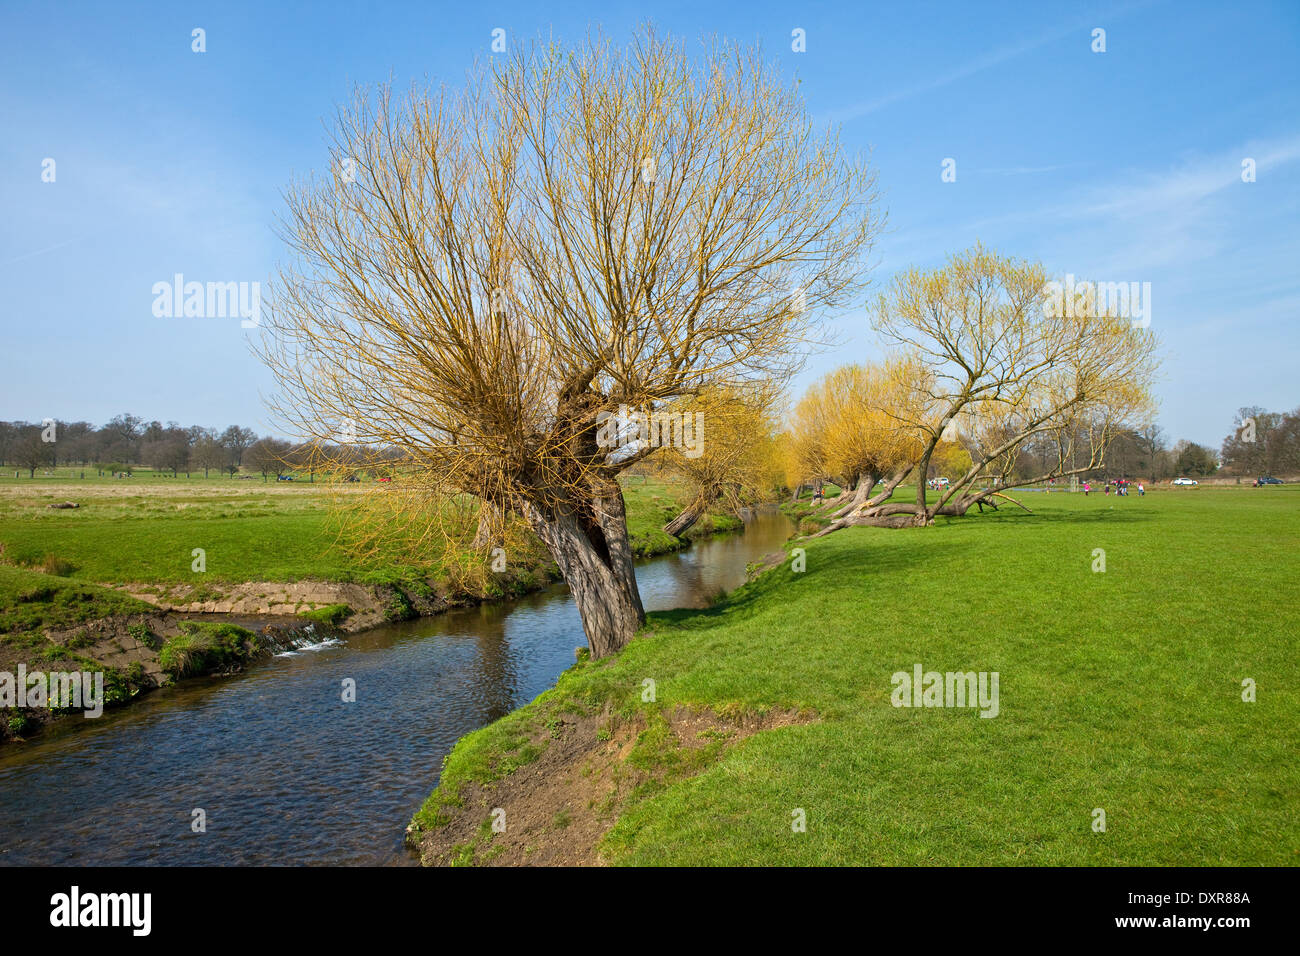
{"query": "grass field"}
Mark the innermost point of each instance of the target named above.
(144, 529)
(1120, 690)
(141, 531)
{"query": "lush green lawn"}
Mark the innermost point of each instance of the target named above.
(1119, 690)
(138, 531)
(144, 529)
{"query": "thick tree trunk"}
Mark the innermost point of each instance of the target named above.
(590, 544)
(900, 514)
(894, 508)
(922, 476)
(884, 493)
(860, 495)
(489, 521)
(906, 520)
(687, 519)
(873, 511)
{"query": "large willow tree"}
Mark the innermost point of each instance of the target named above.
(488, 270)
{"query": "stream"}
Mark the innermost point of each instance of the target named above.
(284, 771)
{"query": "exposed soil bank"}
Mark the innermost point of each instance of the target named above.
(367, 605)
(554, 810)
(131, 651)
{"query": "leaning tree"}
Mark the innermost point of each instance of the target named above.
(998, 362)
(736, 464)
(490, 272)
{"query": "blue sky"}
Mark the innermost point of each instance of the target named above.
(1119, 166)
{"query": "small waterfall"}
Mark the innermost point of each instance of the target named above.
(293, 639)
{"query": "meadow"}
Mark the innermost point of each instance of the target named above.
(144, 529)
(1121, 690)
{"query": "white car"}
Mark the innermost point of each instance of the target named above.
(1184, 481)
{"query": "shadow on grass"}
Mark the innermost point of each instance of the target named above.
(1117, 515)
(845, 561)
(1010, 515)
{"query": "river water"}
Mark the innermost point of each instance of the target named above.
(284, 771)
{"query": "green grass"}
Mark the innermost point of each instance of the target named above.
(145, 530)
(203, 647)
(134, 531)
(1119, 690)
(32, 600)
(331, 614)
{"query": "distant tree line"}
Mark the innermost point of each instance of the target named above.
(1143, 452)
(127, 442)
(1263, 443)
